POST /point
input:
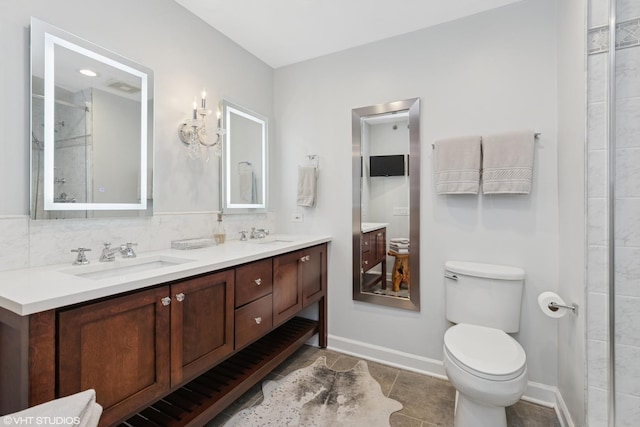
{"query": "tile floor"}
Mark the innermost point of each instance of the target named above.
(427, 401)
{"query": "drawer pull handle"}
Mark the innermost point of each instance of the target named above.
(366, 263)
(180, 297)
(166, 301)
(258, 281)
(303, 259)
(258, 320)
(366, 243)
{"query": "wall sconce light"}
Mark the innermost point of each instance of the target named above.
(193, 132)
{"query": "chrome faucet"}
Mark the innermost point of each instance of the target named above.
(109, 253)
(81, 259)
(259, 233)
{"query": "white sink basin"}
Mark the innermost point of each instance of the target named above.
(123, 267)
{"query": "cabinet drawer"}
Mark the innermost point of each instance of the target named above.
(368, 260)
(253, 320)
(253, 281)
(366, 242)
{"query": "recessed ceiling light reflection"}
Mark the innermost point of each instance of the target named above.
(87, 72)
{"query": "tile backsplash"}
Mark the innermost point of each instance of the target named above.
(26, 243)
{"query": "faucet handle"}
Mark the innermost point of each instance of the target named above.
(243, 235)
(107, 254)
(81, 259)
(127, 250)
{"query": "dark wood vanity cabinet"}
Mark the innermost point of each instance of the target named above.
(314, 274)
(184, 350)
(254, 301)
(374, 252)
(125, 338)
(299, 279)
(150, 340)
(201, 324)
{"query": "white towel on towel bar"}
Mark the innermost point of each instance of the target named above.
(306, 186)
(248, 187)
(457, 165)
(507, 162)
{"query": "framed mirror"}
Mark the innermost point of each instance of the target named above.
(386, 204)
(244, 160)
(91, 129)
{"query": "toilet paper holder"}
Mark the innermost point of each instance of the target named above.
(554, 306)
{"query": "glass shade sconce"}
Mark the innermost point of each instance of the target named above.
(194, 133)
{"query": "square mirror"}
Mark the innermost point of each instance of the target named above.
(91, 128)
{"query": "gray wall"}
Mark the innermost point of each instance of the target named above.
(571, 26)
(491, 72)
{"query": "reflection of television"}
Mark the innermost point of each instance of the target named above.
(386, 165)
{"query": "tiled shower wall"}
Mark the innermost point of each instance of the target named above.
(627, 214)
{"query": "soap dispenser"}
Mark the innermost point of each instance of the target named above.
(218, 232)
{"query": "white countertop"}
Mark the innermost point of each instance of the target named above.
(370, 226)
(33, 290)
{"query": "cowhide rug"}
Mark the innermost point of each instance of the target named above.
(318, 396)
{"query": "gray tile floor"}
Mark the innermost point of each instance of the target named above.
(427, 401)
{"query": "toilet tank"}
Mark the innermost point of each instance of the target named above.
(484, 294)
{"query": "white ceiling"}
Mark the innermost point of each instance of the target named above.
(283, 32)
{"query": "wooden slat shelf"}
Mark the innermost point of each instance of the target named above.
(200, 400)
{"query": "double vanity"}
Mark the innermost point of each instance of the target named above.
(165, 338)
(170, 336)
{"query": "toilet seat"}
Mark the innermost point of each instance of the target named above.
(485, 352)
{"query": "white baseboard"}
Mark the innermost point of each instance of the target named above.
(562, 411)
(537, 393)
(397, 359)
(540, 394)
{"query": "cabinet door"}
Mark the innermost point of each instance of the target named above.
(201, 324)
(314, 276)
(120, 348)
(287, 292)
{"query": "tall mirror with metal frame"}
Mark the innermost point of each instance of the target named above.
(91, 129)
(386, 204)
(244, 160)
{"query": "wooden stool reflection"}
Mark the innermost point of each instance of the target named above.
(400, 272)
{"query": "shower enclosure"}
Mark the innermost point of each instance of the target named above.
(72, 153)
(613, 206)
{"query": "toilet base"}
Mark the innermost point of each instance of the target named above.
(469, 413)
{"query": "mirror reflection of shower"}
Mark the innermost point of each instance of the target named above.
(72, 152)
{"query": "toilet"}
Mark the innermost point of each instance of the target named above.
(486, 366)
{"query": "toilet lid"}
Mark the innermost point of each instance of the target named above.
(485, 352)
